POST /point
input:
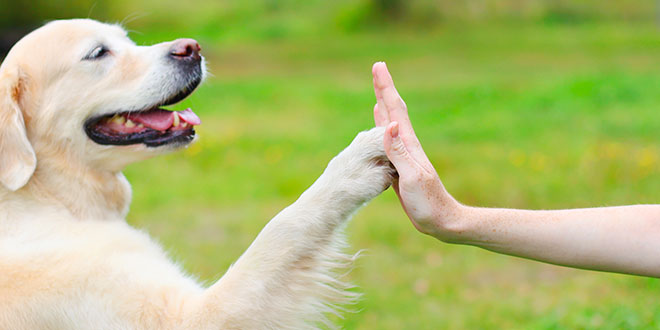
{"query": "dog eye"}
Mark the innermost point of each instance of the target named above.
(97, 53)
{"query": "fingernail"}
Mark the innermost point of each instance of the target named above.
(394, 132)
(374, 71)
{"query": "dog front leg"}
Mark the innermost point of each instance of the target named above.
(285, 279)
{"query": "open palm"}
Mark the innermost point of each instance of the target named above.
(419, 188)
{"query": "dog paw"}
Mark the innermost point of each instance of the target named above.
(363, 169)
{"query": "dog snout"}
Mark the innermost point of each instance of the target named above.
(185, 50)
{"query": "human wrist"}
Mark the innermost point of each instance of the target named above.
(451, 222)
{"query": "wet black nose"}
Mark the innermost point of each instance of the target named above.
(185, 50)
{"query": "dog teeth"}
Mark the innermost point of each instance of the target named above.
(184, 124)
(129, 123)
(140, 126)
(176, 119)
(117, 119)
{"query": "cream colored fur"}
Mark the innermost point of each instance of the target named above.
(68, 260)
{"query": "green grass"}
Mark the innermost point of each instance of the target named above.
(511, 116)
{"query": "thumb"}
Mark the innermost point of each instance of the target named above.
(397, 151)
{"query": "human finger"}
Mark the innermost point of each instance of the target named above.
(389, 99)
(397, 151)
(380, 117)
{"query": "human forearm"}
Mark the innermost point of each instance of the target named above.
(622, 239)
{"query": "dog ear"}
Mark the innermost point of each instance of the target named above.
(17, 158)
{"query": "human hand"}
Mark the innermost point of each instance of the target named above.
(427, 203)
(621, 239)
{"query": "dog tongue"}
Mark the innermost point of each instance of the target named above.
(162, 120)
(189, 117)
(157, 119)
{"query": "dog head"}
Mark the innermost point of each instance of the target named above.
(83, 89)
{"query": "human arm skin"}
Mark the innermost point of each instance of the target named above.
(622, 239)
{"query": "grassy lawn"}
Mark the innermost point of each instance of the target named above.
(511, 116)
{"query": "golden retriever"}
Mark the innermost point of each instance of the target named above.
(78, 102)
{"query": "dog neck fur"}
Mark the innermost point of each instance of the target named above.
(88, 194)
(72, 188)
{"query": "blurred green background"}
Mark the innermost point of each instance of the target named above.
(527, 104)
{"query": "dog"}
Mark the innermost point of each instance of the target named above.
(78, 102)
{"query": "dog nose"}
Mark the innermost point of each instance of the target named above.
(185, 49)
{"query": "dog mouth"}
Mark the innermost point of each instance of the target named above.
(152, 127)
